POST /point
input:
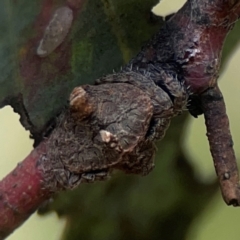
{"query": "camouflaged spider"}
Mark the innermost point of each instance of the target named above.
(112, 125)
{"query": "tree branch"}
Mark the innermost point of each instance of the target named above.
(221, 144)
(21, 192)
(114, 124)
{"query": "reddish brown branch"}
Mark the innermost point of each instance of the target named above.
(21, 192)
(190, 44)
(221, 144)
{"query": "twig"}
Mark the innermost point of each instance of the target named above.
(221, 144)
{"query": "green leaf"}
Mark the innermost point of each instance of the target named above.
(104, 35)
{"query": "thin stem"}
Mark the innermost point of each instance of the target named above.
(221, 144)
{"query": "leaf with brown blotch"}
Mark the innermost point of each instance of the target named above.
(92, 39)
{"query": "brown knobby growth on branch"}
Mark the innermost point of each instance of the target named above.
(114, 123)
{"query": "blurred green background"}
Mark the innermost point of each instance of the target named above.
(217, 221)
